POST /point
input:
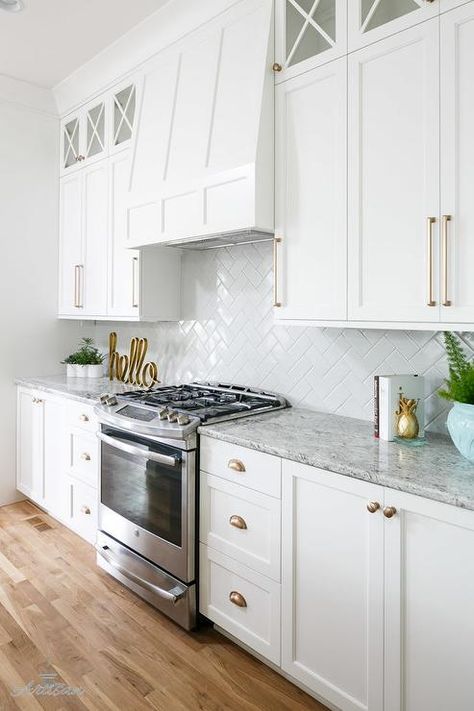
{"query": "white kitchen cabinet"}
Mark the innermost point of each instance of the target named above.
(123, 107)
(54, 456)
(371, 20)
(457, 165)
(72, 142)
(307, 34)
(203, 152)
(332, 586)
(71, 248)
(446, 5)
(394, 178)
(311, 195)
(30, 444)
(429, 601)
(82, 512)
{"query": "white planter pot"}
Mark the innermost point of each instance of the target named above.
(84, 371)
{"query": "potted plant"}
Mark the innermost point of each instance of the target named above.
(459, 389)
(86, 362)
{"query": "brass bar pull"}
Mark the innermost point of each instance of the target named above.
(373, 506)
(78, 279)
(237, 599)
(389, 511)
(446, 220)
(430, 223)
(238, 522)
(134, 283)
(276, 242)
(236, 465)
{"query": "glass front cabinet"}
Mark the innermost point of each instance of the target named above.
(371, 20)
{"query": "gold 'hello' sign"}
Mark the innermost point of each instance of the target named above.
(132, 368)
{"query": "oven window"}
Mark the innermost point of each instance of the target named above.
(145, 492)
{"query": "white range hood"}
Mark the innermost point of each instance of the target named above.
(202, 167)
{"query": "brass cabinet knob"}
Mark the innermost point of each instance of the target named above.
(389, 511)
(236, 465)
(373, 506)
(84, 418)
(85, 510)
(277, 67)
(86, 457)
(237, 599)
(238, 522)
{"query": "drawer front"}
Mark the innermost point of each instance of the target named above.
(82, 509)
(256, 470)
(84, 452)
(256, 620)
(82, 416)
(241, 523)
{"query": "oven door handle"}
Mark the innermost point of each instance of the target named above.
(154, 456)
(172, 596)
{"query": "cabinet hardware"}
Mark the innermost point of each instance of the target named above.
(276, 302)
(134, 283)
(78, 273)
(373, 506)
(80, 158)
(84, 418)
(277, 67)
(430, 223)
(389, 511)
(85, 510)
(446, 220)
(237, 599)
(238, 522)
(236, 465)
(86, 457)
(34, 399)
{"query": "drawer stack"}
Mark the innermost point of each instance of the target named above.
(240, 543)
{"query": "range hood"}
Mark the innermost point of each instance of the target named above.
(202, 163)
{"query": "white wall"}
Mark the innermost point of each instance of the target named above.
(33, 341)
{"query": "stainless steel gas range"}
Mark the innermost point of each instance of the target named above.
(149, 485)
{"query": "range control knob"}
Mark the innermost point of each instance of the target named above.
(172, 416)
(111, 401)
(183, 420)
(163, 414)
(103, 398)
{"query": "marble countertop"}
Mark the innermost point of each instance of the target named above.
(347, 446)
(82, 389)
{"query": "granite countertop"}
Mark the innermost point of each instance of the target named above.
(86, 390)
(347, 446)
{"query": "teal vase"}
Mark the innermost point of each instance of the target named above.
(461, 428)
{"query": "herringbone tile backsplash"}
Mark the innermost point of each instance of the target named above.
(228, 334)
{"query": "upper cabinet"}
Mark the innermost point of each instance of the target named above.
(371, 20)
(308, 33)
(203, 151)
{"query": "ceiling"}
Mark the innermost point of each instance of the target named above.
(51, 38)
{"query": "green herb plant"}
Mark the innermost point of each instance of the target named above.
(87, 354)
(459, 387)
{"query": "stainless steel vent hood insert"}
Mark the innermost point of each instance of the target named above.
(226, 239)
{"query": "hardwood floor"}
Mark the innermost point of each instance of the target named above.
(61, 614)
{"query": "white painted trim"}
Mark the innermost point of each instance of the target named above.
(27, 96)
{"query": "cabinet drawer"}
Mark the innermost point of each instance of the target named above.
(241, 523)
(82, 416)
(256, 621)
(256, 470)
(82, 515)
(84, 453)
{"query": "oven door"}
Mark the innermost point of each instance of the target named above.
(147, 499)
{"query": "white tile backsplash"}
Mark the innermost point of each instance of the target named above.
(228, 334)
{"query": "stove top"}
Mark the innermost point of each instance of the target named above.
(176, 411)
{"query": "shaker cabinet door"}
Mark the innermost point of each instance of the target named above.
(311, 190)
(71, 250)
(394, 178)
(95, 226)
(30, 445)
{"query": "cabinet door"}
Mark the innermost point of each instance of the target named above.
(308, 33)
(122, 117)
(30, 445)
(457, 165)
(451, 4)
(124, 264)
(93, 292)
(393, 178)
(55, 490)
(332, 586)
(429, 600)
(311, 189)
(95, 130)
(371, 20)
(71, 252)
(72, 131)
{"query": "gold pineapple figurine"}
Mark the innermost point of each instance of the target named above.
(407, 421)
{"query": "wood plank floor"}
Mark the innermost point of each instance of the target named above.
(61, 614)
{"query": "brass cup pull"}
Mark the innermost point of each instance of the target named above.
(86, 457)
(85, 510)
(277, 67)
(84, 418)
(237, 599)
(373, 506)
(236, 465)
(238, 522)
(389, 511)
